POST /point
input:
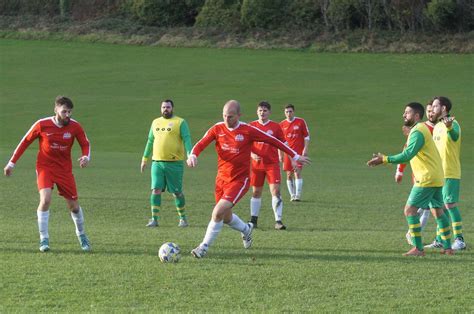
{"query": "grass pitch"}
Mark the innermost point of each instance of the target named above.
(342, 250)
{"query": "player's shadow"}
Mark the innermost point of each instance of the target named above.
(262, 255)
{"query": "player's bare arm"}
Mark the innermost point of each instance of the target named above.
(143, 166)
(8, 170)
(192, 161)
(83, 161)
(377, 159)
(448, 121)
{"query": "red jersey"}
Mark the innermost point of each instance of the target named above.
(267, 152)
(401, 167)
(233, 147)
(55, 143)
(295, 133)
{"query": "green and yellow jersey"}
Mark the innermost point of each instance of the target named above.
(423, 156)
(169, 139)
(448, 143)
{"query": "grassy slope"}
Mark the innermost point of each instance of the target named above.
(343, 249)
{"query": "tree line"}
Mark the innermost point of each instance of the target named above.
(445, 16)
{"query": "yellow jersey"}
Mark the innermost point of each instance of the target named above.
(448, 143)
(168, 138)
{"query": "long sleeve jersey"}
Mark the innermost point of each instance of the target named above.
(423, 156)
(233, 147)
(55, 143)
(169, 139)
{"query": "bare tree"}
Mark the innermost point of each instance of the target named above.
(324, 5)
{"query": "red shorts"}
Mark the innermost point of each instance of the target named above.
(287, 164)
(271, 171)
(231, 191)
(47, 178)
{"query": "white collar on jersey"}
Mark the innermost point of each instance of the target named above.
(56, 122)
(265, 123)
(232, 129)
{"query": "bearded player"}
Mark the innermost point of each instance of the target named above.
(56, 136)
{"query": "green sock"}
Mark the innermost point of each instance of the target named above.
(180, 202)
(445, 230)
(155, 203)
(456, 221)
(438, 235)
(415, 230)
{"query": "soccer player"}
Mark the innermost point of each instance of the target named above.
(233, 143)
(265, 163)
(168, 138)
(296, 135)
(428, 171)
(447, 137)
(424, 213)
(56, 136)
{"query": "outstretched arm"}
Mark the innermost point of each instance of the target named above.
(415, 143)
(200, 146)
(260, 136)
(29, 137)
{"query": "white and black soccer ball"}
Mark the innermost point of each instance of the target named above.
(169, 252)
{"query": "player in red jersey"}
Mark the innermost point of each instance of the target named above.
(53, 165)
(424, 213)
(265, 163)
(233, 143)
(297, 136)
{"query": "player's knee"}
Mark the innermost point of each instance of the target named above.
(156, 191)
(45, 202)
(178, 194)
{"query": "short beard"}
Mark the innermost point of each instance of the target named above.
(409, 123)
(63, 122)
(167, 115)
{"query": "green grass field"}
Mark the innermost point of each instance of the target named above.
(342, 250)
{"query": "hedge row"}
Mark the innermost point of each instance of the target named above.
(328, 15)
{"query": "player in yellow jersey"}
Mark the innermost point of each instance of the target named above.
(428, 172)
(447, 137)
(170, 140)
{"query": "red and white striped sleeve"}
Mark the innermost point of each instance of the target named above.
(208, 137)
(32, 134)
(83, 142)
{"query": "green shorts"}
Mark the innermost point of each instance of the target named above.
(430, 197)
(167, 175)
(451, 190)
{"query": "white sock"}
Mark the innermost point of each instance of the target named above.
(291, 187)
(213, 229)
(277, 205)
(43, 219)
(255, 204)
(78, 222)
(424, 218)
(299, 186)
(237, 224)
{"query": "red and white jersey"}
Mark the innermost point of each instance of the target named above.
(267, 152)
(55, 143)
(295, 133)
(233, 147)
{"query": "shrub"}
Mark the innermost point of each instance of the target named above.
(167, 13)
(264, 14)
(29, 7)
(304, 14)
(443, 14)
(220, 13)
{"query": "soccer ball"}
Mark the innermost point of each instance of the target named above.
(169, 252)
